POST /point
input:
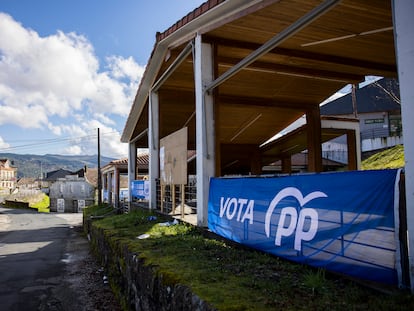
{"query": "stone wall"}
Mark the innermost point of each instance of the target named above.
(139, 286)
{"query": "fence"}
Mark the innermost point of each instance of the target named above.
(167, 202)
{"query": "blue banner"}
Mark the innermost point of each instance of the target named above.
(123, 194)
(105, 195)
(343, 221)
(140, 189)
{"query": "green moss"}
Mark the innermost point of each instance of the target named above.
(168, 277)
(389, 158)
(231, 277)
(97, 210)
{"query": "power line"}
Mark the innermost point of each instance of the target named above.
(50, 141)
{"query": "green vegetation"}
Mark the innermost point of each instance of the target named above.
(389, 158)
(41, 205)
(37, 200)
(231, 277)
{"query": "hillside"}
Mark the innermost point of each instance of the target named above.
(32, 165)
(389, 158)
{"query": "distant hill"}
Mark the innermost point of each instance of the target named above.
(32, 165)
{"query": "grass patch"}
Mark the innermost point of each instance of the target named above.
(389, 158)
(96, 210)
(42, 203)
(231, 277)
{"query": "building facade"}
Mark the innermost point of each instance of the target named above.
(7, 175)
(71, 194)
(377, 107)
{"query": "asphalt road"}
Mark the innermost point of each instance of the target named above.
(35, 250)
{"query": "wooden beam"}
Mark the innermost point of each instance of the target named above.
(314, 140)
(386, 69)
(242, 101)
(303, 72)
(275, 41)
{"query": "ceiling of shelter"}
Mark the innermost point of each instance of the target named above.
(350, 41)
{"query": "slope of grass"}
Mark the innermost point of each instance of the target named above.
(36, 200)
(42, 204)
(389, 158)
(231, 277)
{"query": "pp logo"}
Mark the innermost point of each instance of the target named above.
(297, 222)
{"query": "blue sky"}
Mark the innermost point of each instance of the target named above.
(70, 67)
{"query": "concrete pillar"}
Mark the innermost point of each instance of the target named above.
(110, 188)
(205, 142)
(116, 187)
(132, 168)
(154, 147)
(404, 50)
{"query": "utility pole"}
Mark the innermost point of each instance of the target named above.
(99, 172)
(354, 101)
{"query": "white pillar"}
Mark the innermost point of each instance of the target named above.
(132, 168)
(111, 188)
(116, 187)
(404, 47)
(205, 141)
(154, 146)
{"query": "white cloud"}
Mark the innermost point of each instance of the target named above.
(72, 150)
(58, 77)
(3, 144)
(124, 67)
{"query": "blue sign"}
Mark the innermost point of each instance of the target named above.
(123, 193)
(343, 222)
(140, 189)
(105, 195)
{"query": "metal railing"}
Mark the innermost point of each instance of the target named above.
(170, 201)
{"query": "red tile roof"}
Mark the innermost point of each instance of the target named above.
(188, 18)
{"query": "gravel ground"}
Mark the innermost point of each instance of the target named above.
(85, 277)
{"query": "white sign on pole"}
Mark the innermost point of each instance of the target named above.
(81, 205)
(60, 205)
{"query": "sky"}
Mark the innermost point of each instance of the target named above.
(68, 68)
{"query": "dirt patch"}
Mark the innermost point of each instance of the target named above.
(85, 277)
(4, 222)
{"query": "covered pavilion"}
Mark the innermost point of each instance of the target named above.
(238, 72)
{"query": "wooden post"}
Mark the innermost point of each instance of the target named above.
(286, 164)
(182, 200)
(172, 186)
(162, 194)
(313, 129)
